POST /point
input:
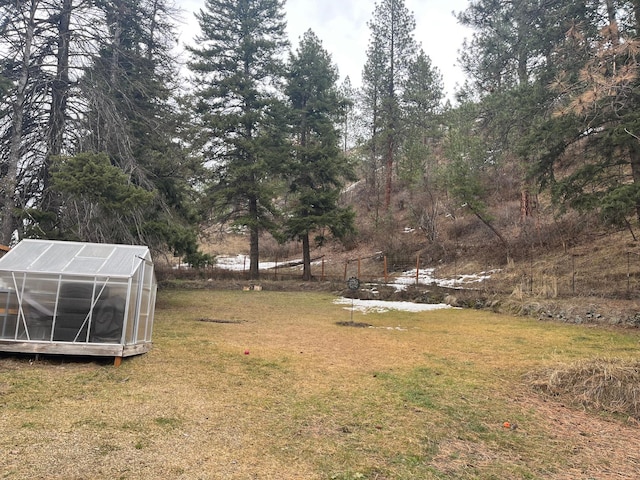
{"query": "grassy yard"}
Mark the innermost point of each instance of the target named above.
(265, 385)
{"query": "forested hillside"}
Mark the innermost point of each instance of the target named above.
(105, 137)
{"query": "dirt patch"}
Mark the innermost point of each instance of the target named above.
(214, 320)
(354, 324)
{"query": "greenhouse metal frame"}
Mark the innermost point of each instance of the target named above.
(75, 298)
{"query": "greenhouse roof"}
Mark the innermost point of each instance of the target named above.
(75, 258)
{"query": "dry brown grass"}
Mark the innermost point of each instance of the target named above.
(610, 385)
(414, 396)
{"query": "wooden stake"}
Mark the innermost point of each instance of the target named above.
(386, 271)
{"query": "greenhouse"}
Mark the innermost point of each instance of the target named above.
(75, 298)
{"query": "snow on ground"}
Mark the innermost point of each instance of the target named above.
(239, 262)
(381, 306)
(425, 277)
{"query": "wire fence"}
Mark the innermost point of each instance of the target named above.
(614, 275)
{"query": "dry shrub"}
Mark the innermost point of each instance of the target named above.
(610, 385)
(271, 249)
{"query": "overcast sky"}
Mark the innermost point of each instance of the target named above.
(341, 25)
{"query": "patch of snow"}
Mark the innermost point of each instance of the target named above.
(239, 262)
(381, 306)
(426, 277)
(181, 266)
(465, 279)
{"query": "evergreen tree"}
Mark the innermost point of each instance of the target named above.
(349, 123)
(25, 47)
(470, 170)
(91, 77)
(100, 200)
(317, 167)
(510, 60)
(590, 155)
(237, 66)
(134, 118)
(372, 95)
(60, 86)
(418, 161)
(421, 105)
(392, 48)
(514, 42)
(37, 42)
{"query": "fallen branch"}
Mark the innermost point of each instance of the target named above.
(294, 263)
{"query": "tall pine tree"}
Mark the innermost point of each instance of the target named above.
(421, 107)
(133, 118)
(372, 95)
(392, 48)
(238, 64)
(25, 46)
(318, 167)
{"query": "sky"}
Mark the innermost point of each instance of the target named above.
(342, 27)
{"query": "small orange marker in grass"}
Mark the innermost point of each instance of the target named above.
(506, 425)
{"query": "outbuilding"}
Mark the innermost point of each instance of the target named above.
(75, 298)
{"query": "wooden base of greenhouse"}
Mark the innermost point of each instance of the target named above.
(64, 348)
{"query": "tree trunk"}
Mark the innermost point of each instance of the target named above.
(635, 172)
(8, 183)
(613, 23)
(254, 232)
(392, 112)
(59, 96)
(60, 85)
(493, 229)
(116, 45)
(306, 258)
(525, 207)
(389, 173)
(152, 31)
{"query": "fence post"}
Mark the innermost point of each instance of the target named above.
(346, 262)
(275, 270)
(417, 269)
(628, 271)
(455, 268)
(386, 271)
(322, 274)
(358, 267)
